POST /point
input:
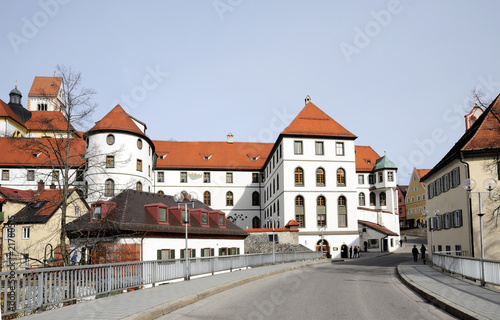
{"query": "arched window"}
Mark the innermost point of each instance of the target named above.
(229, 199)
(138, 186)
(361, 199)
(161, 192)
(320, 177)
(299, 176)
(342, 211)
(382, 198)
(109, 188)
(299, 211)
(372, 199)
(321, 211)
(341, 177)
(255, 222)
(207, 199)
(17, 134)
(255, 198)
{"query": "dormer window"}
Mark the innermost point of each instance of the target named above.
(158, 211)
(204, 218)
(162, 214)
(253, 158)
(205, 157)
(96, 214)
(222, 221)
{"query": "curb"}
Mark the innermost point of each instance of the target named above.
(438, 301)
(168, 307)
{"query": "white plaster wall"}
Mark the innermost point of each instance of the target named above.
(18, 178)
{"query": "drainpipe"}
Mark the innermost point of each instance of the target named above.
(461, 158)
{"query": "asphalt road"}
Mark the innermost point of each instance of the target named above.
(353, 289)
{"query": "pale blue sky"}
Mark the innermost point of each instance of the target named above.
(395, 73)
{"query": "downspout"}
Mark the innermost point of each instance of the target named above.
(461, 158)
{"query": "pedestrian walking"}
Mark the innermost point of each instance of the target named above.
(415, 253)
(350, 252)
(406, 239)
(355, 251)
(359, 251)
(422, 251)
(401, 243)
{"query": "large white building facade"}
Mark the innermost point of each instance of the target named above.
(313, 174)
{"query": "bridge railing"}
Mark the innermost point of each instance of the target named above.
(22, 290)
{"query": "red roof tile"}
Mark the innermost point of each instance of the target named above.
(292, 223)
(313, 121)
(487, 136)
(18, 195)
(220, 155)
(421, 172)
(6, 111)
(48, 121)
(365, 158)
(45, 87)
(117, 119)
(378, 228)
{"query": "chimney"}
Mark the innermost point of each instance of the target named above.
(308, 99)
(41, 186)
(229, 137)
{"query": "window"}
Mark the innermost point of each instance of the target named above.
(207, 252)
(77, 211)
(25, 259)
(55, 175)
(191, 253)
(221, 220)
(340, 177)
(361, 199)
(321, 211)
(458, 249)
(390, 176)
(229, 177)
(361, 179)
(207, 199)
(299, 211)
(457, 219)
(139, 144)
(342, 211)
(42, 107)
(138, 186)
(206, 177)
(380, 177)
(162, 214)
(319, 148)
(79, 175)
(109, 188)
(372, 199)
(26, 233)
(382, 198)
(184, 177)
(229, 198)
(5, 174)
(165, 254)
(110, 139)
(31, 175)
(297, 147)
(255, 177)
(371, 178)
(110, 161)
(204, 218)
(299, 176)
(160, 192)
(96, 215)
(339, 147)
(139, 165)
(320, 177)
(255, 198)
(161, 177)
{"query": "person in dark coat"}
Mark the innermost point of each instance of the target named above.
(350, 252)
(415, 253)
(355, 251)
(422, 251)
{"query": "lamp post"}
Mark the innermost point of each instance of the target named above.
(489, 185)
(179, 197)
(272, 220)
(431, 226)
(51, 259)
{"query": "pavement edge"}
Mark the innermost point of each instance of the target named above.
(437, 300)
(168, 307)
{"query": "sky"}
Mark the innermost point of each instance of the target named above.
(397, 74)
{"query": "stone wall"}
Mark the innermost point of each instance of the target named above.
(259, 243)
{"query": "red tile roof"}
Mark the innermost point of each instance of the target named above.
(365, 158)
(117, 119)
(220, 155)
(313, 121)
(48, 121)
(6, 111)
(45, 87)
(378, 228)
(27, 152)
(254, 230)
(292, 223)
(17, 195)
(422, 172)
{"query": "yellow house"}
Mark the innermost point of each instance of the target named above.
(415, 199)
(32, 234)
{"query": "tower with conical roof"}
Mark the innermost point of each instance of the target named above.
(119, 156)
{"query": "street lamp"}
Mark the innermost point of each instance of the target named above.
(488, 184)
(179, 197)
(431, 226)
(272, 220)
(51, 259)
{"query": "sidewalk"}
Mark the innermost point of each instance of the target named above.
(152, 303)
(462, 298)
